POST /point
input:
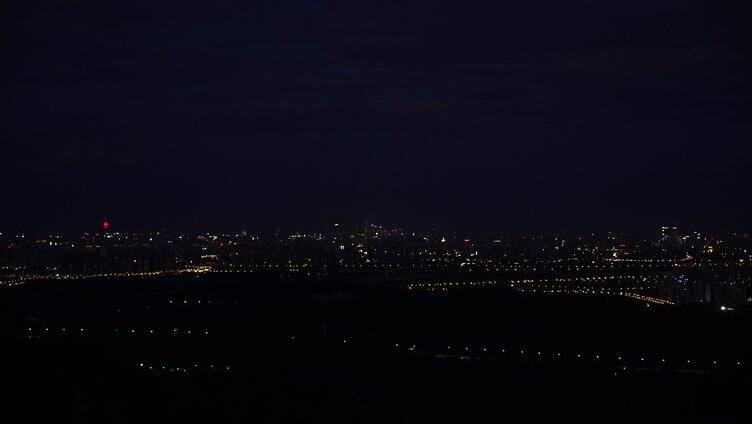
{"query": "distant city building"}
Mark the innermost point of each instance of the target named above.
(682, 289)
(670, 242)
(669, 234)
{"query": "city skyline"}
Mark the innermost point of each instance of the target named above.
(105, 225)
(393, 211)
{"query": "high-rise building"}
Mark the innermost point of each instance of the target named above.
(669, 242)
(669, 234)
(682, 289)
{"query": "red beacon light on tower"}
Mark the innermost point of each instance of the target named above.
(106, 224)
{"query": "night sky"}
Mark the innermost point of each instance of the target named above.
(504, 116)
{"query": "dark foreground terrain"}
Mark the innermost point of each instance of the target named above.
(203, 349)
